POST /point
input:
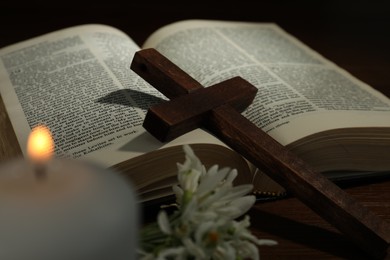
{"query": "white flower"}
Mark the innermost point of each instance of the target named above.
(204, 225)
(172, 253)
(163, 223)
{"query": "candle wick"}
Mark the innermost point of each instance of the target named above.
(40, 171)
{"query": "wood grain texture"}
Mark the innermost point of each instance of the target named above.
(302, 234)
(169, 120)
(168, 78)
(366, 229)
(9, 146)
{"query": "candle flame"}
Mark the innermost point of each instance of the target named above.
(40, 144)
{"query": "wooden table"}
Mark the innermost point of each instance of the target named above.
(303, 235)
(355, 36)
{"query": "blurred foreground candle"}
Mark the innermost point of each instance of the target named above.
(52, 209)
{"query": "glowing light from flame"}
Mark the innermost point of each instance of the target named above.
(40, 144)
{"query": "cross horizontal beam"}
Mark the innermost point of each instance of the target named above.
(167, 121)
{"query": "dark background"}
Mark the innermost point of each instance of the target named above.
(353, 34)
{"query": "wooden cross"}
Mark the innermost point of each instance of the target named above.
(218, 108)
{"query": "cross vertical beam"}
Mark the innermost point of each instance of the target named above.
(366, 229)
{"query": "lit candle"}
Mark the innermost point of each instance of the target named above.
(52, 209)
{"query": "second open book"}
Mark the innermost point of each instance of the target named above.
(78, 82)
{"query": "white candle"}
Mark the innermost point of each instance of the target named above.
(69, 211)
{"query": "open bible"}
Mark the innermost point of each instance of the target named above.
(78, 82)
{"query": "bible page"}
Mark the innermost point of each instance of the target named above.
(300, 91)
(78, 82)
